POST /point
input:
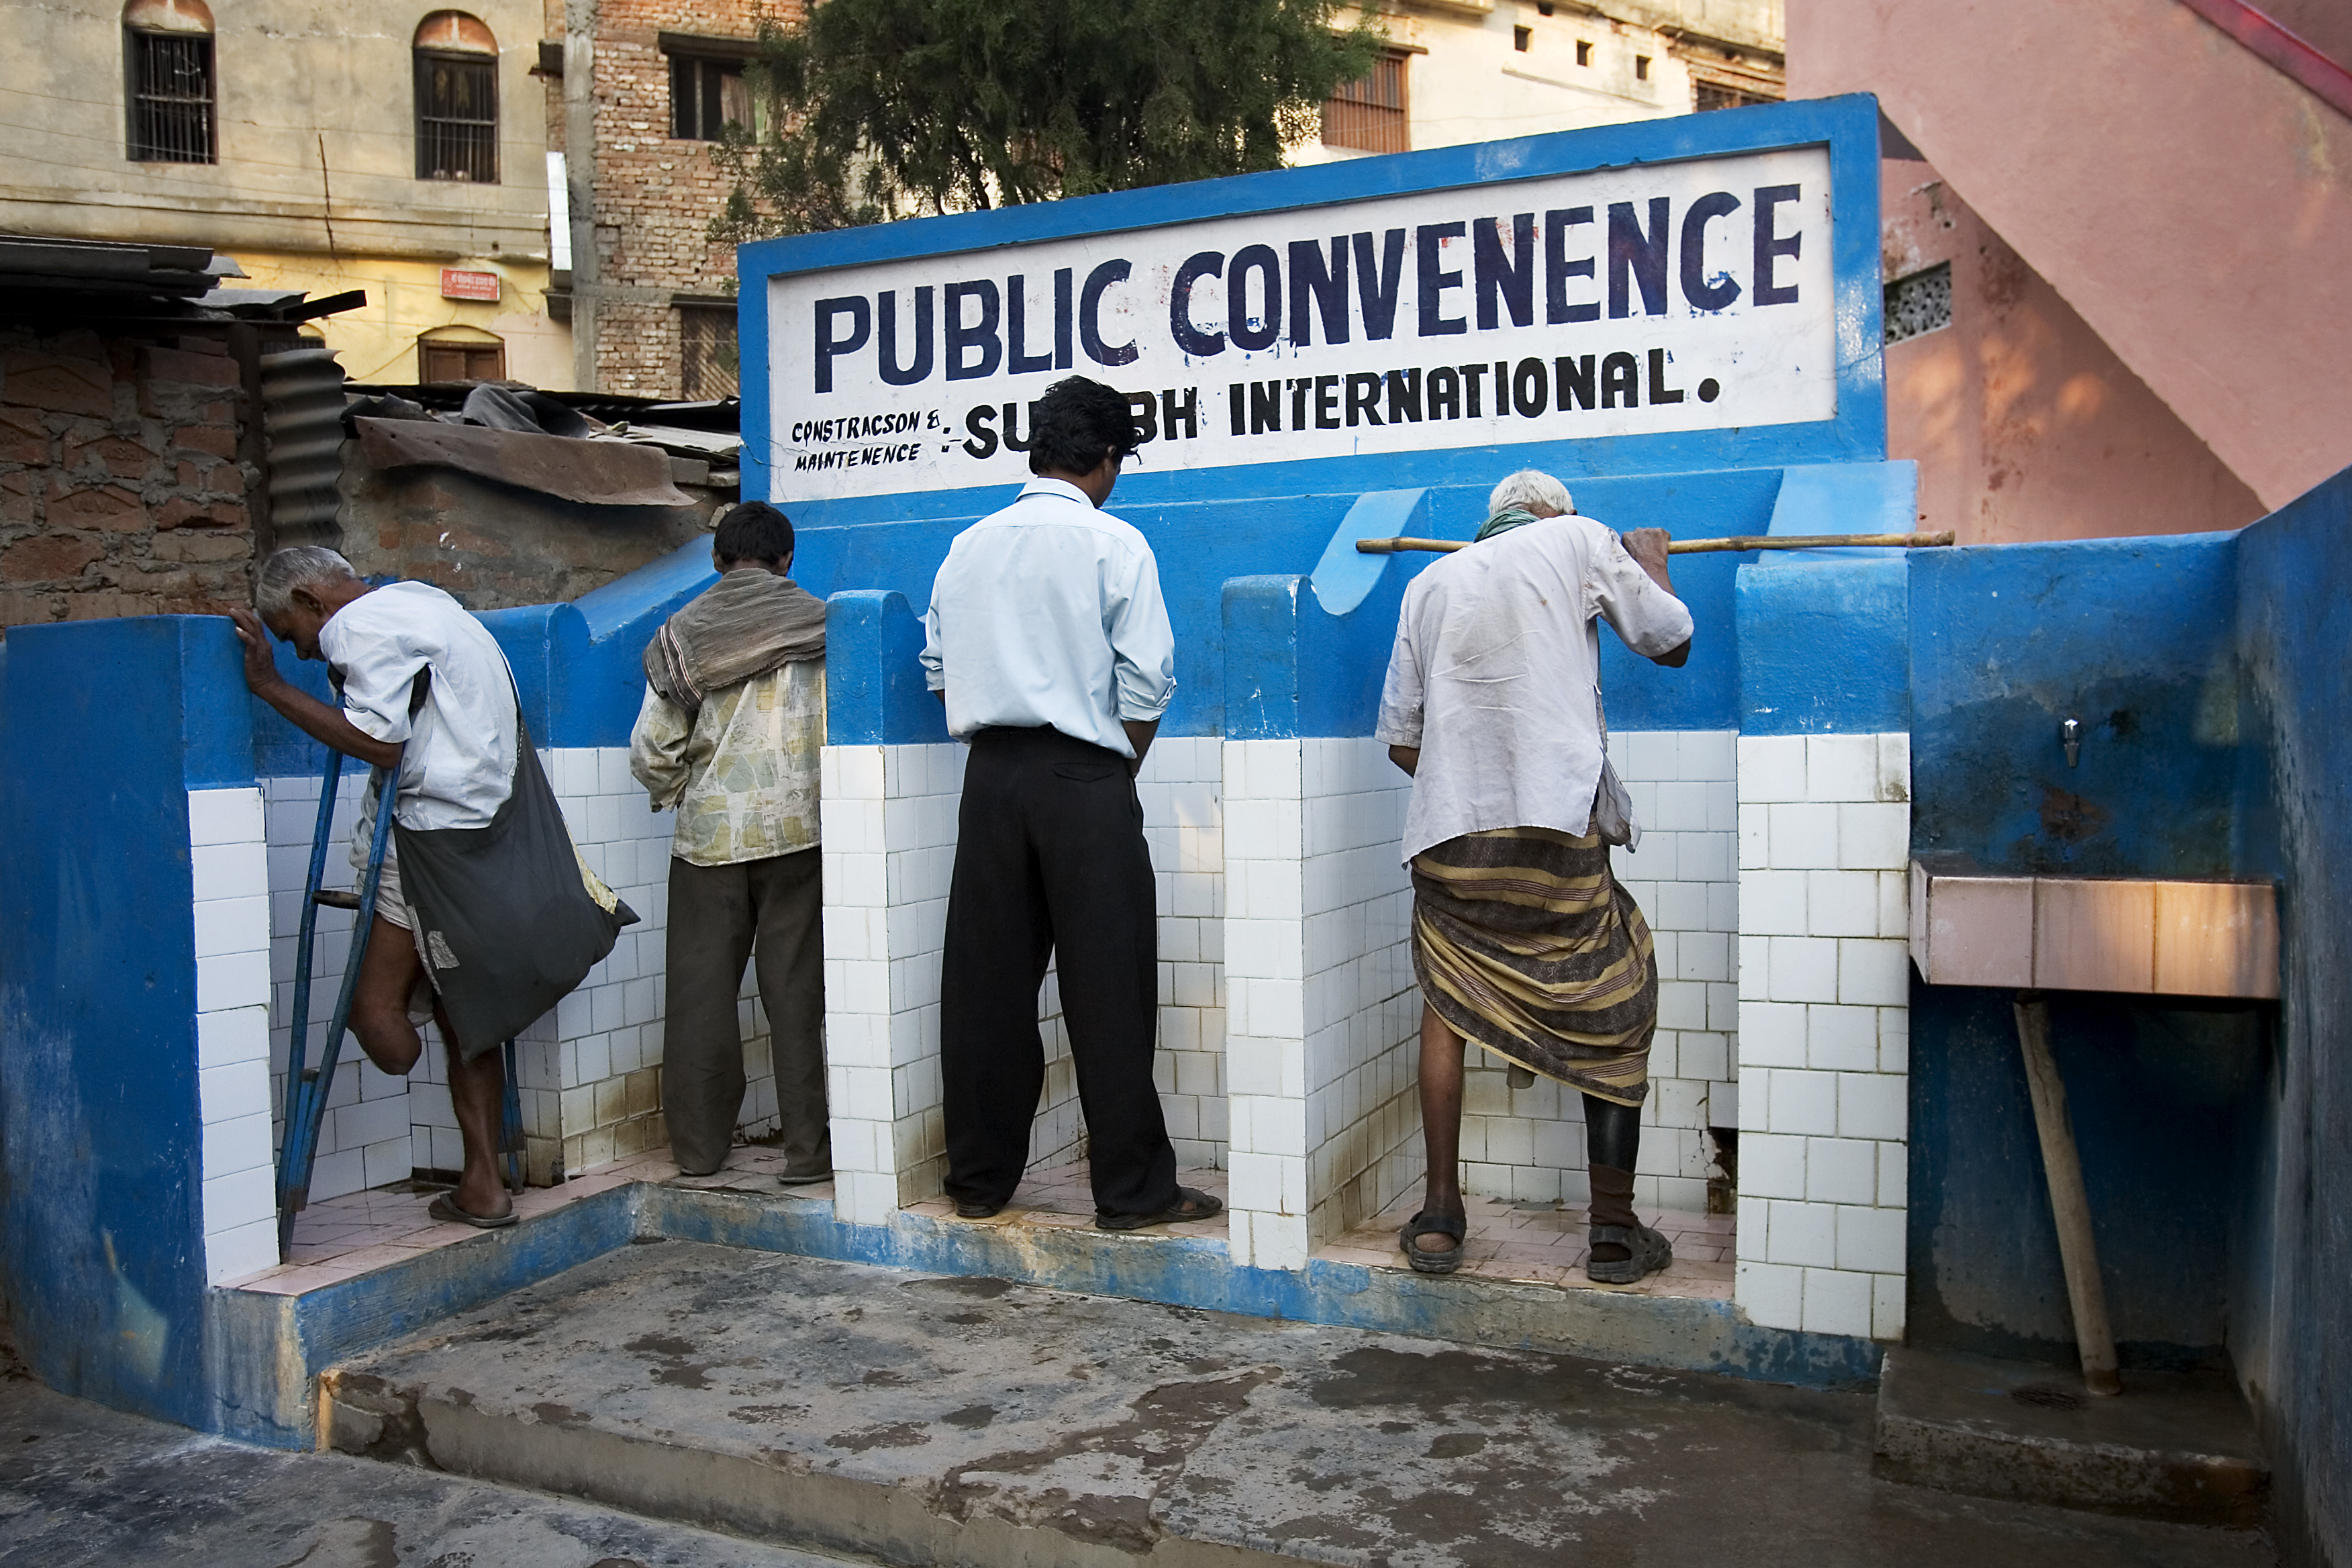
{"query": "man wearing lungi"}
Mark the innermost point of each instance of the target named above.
(460, 724)
(731, 733)
(1522, 938)
(1050, 645)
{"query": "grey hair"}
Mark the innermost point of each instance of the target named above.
(1527, 490)
(299, 566)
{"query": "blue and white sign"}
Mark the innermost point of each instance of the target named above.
(1674, 297)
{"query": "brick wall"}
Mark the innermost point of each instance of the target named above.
(120, 493)
(655, 196)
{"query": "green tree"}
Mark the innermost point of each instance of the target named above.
(875, 109)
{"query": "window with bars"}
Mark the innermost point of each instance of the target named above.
(706, 95)
(708, 365)
(1723, 94)
(171, 118)
(1369, 114)
(456, 117)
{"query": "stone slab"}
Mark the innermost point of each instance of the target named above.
(915, 1418)
(2175, 1445)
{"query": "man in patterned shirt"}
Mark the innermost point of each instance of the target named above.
(730, 734)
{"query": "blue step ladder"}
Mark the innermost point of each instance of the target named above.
(308, 1085)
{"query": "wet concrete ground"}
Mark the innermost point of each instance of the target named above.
(922, 1419)
(82, 1487)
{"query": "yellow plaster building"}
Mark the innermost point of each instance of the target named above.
(1480, 71)
(400, 150)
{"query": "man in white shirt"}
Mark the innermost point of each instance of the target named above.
(1048, 641)
(1522, 938)
(413, 668)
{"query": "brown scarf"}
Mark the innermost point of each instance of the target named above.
(748, 623)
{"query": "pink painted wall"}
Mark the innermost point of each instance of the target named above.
(2024, 422)
(2191, 204)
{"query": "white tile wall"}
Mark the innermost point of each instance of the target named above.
(1824, 834)
(889, 827)
(1322, 1016)
(368, 1136)
(226, 848)
(1529, 1144)
(1182, 793)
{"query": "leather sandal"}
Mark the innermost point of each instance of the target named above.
(1191, 1204)
(1426, 1224)
(1647, 1253)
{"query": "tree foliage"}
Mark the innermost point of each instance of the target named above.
(875, 109)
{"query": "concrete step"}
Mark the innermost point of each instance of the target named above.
(921, 1420)
(2173, 1445)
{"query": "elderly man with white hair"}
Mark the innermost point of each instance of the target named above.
(485, 929)
(1523, 940)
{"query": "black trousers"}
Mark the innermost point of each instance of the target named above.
(719, 917)
(1050, 858)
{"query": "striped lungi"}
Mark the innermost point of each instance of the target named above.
(1524, 944)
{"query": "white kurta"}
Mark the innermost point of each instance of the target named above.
(1496, 676)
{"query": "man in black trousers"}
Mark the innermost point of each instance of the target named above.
(1049, 643)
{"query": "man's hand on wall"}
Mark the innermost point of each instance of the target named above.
(260, 664)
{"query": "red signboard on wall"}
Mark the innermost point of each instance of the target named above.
(458, 285)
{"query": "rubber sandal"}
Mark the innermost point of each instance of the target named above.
(1424, 1224)
(1191, 1204)
(445, 1207)
(1647, 1253)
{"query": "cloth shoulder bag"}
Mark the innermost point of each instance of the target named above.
(508, 917)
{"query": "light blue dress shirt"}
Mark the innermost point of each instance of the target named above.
(1049, 613)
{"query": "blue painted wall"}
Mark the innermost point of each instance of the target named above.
(1824, 646)
(2137, 639)
(2294, 618)
(105, 727)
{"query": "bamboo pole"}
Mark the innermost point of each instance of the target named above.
(2094, 1337)
(1738, 543)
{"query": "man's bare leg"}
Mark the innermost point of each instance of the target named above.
(388, 974)
(478, 1092)
(388, 977)
(1441, 1123)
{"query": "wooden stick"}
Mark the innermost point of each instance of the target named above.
(1706, 546)
(2094, 1337)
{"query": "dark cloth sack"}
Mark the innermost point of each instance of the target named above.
(509, 919)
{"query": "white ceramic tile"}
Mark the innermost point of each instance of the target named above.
(226, 816)
(1886, 1307)
(1842, 903)
(1803, 969)
(1872, 1105)
(1771, 1295)
(1802, 1234)
(1771, 767)
(1870, 1238)
(1841, 1170)
(1874, 835)
(1841, 767)
(1771, 1165)
(1837, 1302)
(1799, 1101)
(1873, 974)
(1841, 1039)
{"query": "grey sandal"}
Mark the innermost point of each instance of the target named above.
(1424, 1261)
(1647, 1253)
